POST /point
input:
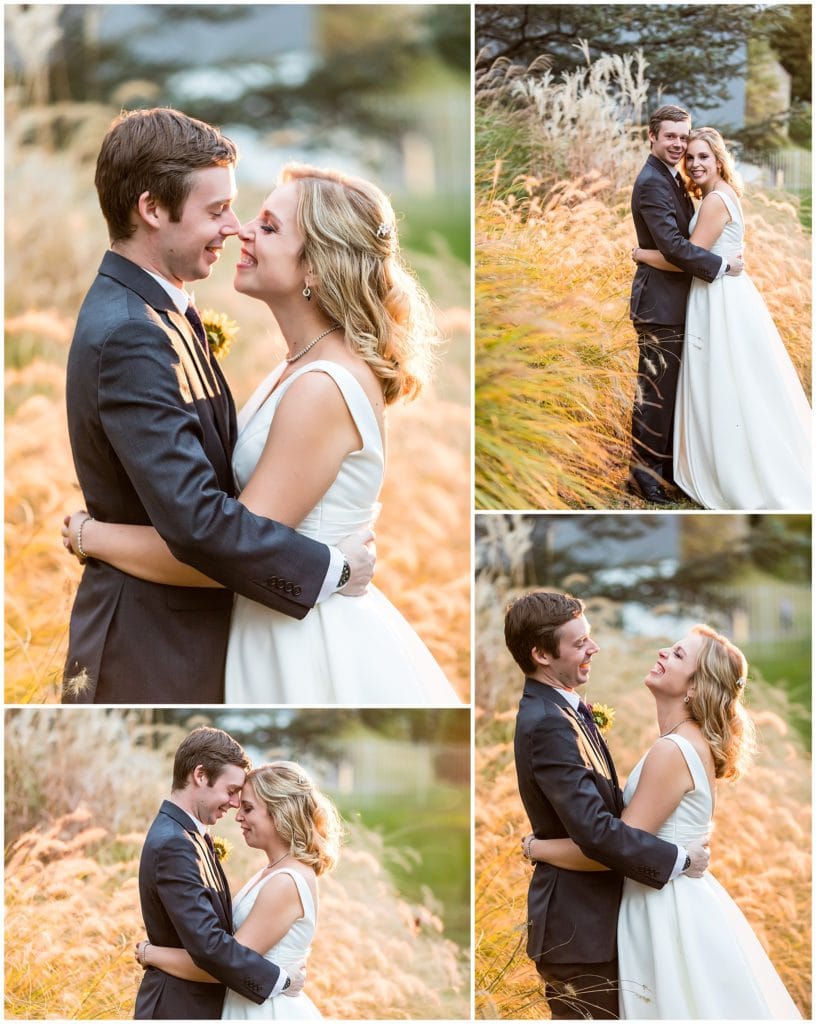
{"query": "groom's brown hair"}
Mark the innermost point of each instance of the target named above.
(213, 749)
(533, 621)
(669, 112)
(154, 151)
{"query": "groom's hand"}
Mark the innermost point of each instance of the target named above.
(700, 856)
(736, 267)
(361, 555)
(297, 979)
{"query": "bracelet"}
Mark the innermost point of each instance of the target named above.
(526, 845)
(80, 550)
(141, 958)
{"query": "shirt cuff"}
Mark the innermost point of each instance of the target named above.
(282, 979)
(333, 573)
(721, 271)
(679, 863)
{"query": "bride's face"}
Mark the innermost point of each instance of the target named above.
(701, 164)
(671, 673)
(253, 817)
(271, 264)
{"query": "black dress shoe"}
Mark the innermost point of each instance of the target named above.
(645, 486)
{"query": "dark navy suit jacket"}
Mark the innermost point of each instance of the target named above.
(186, 904)
(152, 429)
(662, 215)
(569, 788)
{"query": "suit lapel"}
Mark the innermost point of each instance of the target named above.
(209, 378)
(212, 874)
(215, 877)
(682, 201)
(600, 756)
(202, 380)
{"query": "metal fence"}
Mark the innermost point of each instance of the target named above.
(788, 169)
(775, 616)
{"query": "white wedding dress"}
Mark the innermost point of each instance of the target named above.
(292, 949)
(348, 650)
(686, 952)
(742, 421)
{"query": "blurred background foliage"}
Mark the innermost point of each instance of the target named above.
(693, 50)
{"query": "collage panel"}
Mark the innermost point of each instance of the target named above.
(643, 257)
(643, 685)
(360, 821)
(331, 266)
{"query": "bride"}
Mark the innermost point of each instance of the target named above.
(283, 814)
(685, 951)
(323, 255)
(742, 421)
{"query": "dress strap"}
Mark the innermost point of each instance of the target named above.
(358, 402)
(305, 893)
(695, 765)
(730, 205)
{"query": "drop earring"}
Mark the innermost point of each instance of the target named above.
(307, 293)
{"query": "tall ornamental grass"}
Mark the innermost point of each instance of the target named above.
(556, 355)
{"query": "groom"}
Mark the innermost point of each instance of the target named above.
(184, 894)
(152, 428)
(569, 788)
(662, 211)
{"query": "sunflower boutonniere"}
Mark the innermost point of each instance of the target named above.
(222, 847)
(220, 331)
(604, 717)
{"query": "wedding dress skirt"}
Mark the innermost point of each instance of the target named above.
(686, 952)
(742, 420)
(348, 650)
(292, 949)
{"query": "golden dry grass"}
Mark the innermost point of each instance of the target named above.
(556, 355)
(423, 533)
(72, 904)
(760, 846)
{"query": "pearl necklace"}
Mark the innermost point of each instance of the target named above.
(670, 731)
(305, 349)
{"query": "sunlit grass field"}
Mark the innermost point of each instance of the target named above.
(760, 848)
(556, 355)
(82, 786)
(55, 239)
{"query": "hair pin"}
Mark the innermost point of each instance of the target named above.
(384, 230)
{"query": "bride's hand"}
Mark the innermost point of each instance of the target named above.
(361, 555)
(70, 532)
(140, 953)
(297, 979)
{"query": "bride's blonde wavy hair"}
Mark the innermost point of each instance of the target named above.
(716, 704)
(725, 162)
(303, 817)
(351, 247)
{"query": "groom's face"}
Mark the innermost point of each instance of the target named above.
(669, 145)
(576, 648)
(212, 799)
(190, 247)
